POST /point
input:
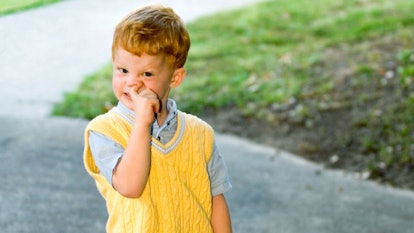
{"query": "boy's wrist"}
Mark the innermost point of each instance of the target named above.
(142, 126)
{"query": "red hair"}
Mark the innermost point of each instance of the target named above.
(153, 30)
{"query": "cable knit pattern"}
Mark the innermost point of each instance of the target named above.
(177, 196)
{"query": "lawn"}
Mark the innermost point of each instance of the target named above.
(329, 80)
(12, 6)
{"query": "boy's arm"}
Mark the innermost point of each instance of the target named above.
(220, 217)
(132, 171)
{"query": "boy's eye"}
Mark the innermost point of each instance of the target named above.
(147, 74)
(122, 70)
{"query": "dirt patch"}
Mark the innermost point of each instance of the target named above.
(330, 128)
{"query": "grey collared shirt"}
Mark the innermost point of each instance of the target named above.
(106, 152)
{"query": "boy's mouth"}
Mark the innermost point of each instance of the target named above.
(127, 95)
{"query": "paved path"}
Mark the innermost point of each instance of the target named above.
(44, 188)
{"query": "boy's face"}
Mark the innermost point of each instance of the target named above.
(143, 72)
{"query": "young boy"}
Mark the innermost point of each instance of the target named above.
(158, 168)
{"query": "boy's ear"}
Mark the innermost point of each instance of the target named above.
(178, 77)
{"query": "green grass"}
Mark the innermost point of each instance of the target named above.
(92, 98)
(263, 56)
(12, 6)
(277, 42)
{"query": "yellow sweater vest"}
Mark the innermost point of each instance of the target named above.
(177, 196)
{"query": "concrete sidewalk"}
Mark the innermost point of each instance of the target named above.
(44, 187)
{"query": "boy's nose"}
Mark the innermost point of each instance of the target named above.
(133, 81)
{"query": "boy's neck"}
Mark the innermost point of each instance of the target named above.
(161, 117)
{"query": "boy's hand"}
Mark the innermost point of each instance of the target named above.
(146, 105)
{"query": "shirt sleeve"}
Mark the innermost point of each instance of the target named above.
(217, 170)
(105, 152)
